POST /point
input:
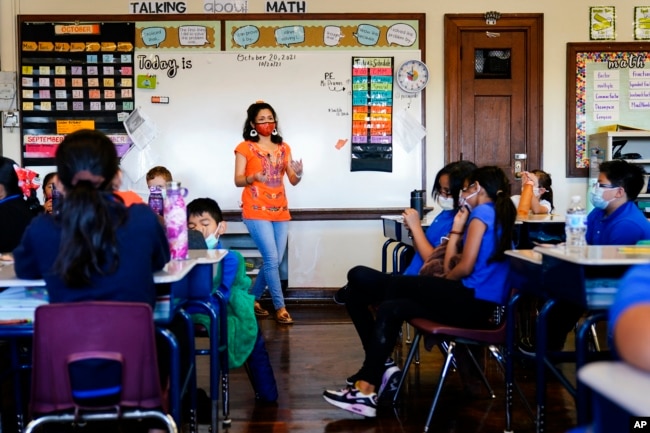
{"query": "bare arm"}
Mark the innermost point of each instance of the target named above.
(536, 206)
(475, 231)
(420, 241)
(632, 336)
(240, 172)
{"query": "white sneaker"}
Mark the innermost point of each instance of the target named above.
(389, 383)
(353, 400)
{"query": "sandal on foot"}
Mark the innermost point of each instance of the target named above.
(282, 316)
(259, 311)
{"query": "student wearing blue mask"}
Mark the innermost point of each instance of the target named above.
(616, 219)
(245, 341)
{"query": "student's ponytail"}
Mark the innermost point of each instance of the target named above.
(86, 164)
(497, 186)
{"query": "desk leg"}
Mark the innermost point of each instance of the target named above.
(510, 345)
(396, 255)
(384, 255)
(540, 364)
(582, 392)
(16, 367)
(206, 307)
(174, 373)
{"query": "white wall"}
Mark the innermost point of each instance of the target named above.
(322, 252)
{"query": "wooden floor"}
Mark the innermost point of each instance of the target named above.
(321, 349)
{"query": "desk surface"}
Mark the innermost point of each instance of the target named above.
(173, 271)
(600, 255)
(530, 256)
(619, 382)
(538, 219)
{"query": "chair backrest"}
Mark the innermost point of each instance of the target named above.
(119, 331)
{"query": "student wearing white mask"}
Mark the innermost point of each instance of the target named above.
(542, 200)
(362, 279)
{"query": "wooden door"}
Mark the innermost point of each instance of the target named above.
(493, 91)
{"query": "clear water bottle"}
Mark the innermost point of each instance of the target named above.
(575, 226)
(156, 200)
(175, 214)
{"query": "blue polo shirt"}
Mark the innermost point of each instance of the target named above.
(625, 226)
(634, 289)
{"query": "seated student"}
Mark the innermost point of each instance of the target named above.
(615, 220)
(127, 244)
(15, 212)
(158, 176)
(467, 296)
(127, 196)
(367, 286)
(49, 184)
(629, 334)
(542, 200)
(245, 341)
(629, 318)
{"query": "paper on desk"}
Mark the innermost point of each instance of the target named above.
(19, 303)
(397, 218)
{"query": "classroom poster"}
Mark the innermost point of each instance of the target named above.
(372, 108)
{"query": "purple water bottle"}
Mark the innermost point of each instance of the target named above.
(56, 200)
(176, 220)
(156, 200)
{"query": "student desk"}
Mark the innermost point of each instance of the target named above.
(620, 391)
(181, 275)
(588, 279)
(539, 229)
(398, 237)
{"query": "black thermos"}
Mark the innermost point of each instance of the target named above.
(417, 201)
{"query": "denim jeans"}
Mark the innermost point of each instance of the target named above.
(271, 239)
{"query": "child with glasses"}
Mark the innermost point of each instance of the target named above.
(466, 297)
(616, 219)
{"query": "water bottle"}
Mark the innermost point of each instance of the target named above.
(175, 214)
(56, 200)
(575, 226)
(417, 201)
(156, 200)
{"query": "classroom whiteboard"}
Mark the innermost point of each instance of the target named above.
(208, 94)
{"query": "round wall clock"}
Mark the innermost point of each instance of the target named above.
(412, 76)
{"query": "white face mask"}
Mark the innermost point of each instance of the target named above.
(463, 200)
(446, 203)
(213, 239)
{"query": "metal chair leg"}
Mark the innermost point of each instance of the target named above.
(407, 364)
(441, 382)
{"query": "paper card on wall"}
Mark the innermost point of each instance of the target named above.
(146, 82)
(136, 162)
(408, 132)
(140, 128)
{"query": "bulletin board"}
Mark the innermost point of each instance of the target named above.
(608, 84)
(193, 77)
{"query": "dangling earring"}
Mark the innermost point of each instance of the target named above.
(274, 132)
(253, 133)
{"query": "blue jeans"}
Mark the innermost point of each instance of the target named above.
(271, 239)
